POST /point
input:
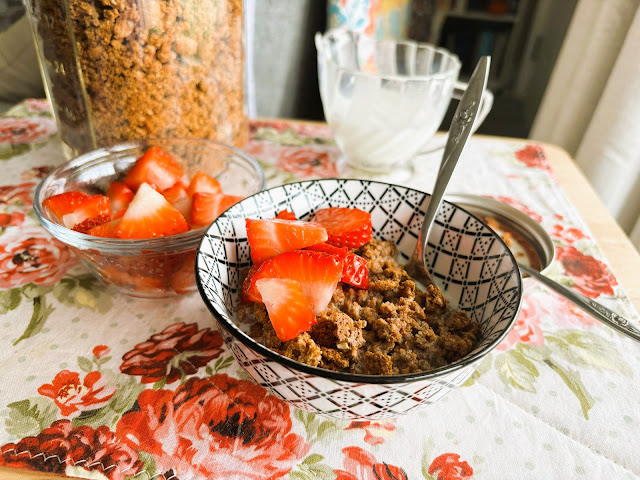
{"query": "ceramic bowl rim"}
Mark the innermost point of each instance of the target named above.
(353, 377)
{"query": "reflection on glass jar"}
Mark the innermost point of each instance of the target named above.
(125, 69)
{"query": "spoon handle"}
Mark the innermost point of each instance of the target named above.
(596, 310)
(459, 132)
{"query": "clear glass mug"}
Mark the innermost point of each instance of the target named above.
(118, 70)
(384, 100)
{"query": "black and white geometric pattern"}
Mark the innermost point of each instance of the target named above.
(467, 260)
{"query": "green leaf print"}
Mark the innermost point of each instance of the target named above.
(313, 458)
(516, 370)
(8, 151)
(317, 427)
(83, 290)
(41, 312)
(484, 367)
(85, 364)
(10, 300)
(29, 417)
(572, 379)
(149, 465)
(586, 349)
(222, 363)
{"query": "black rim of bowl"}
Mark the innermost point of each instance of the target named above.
(355, 377)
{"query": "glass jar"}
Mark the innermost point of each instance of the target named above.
(119, 70)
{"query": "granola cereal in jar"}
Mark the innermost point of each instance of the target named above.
(118, 70)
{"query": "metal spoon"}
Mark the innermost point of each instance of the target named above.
(459, 133)
(596, 310)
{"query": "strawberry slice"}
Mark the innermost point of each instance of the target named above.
(155, 167)
(120, 196)
(287, 306)
(89, 223)
(317, 272)
(64, 203)
(177, 196)
(206, 207)
(106, 230)
(150, 216)
(347, 227)
(203, 183)
(90, 207)
(271, 237)
(286, 215)
(354, 267)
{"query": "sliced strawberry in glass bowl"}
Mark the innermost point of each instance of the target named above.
(128, 210)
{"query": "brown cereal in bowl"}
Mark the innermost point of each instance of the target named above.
(392, 328)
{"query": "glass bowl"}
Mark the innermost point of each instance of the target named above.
(469, 262)
(384, 99)
(147, 268)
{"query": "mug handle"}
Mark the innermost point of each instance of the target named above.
(485, 107)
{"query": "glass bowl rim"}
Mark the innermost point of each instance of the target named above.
(118, 246)
(323, 39)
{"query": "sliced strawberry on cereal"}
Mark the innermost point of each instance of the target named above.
(177, 196)
(90, 207)
(156, 168)
(149, 215)
(347, 227)
(206, 207)
(105, 230)
(203, 183)
(317, 272)
(354, 268)
(89, 223)
(286, 215)
(120, 196)
(64, 203)
(271, 237)
(287, 306)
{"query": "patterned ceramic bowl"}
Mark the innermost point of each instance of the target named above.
(466, 259)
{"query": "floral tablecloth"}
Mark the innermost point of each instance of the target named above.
(96, 384)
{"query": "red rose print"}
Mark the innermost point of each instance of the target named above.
(37, 105)
(27, 256)
(35, 172)
(311, 130)
(308, 162)
(25, 130)
(590, 276)
(17, 194)
(362, 465)
(567, 235)
(60, 445)
(520, 206)
(71, 396)
(11, 219)
(449, 467)
(177, 351)
(526, 329)
(533, 156)
(100, 351)
(215, 427)
(375, 432)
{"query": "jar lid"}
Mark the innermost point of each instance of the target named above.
(527, 240)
